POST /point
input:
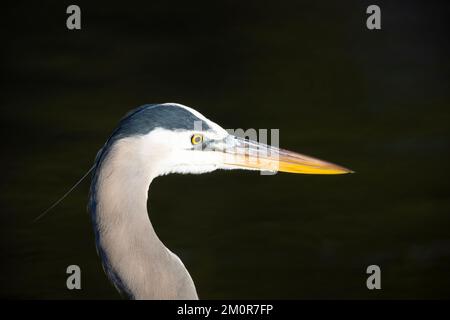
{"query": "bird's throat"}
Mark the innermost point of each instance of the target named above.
(136, 261)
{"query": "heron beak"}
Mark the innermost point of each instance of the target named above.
(248, 154)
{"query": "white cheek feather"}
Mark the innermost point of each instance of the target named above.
(183, 169)
(170, 151)
(189, 161)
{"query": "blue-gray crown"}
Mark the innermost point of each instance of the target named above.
(146, 118)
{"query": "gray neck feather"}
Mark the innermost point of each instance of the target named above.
(134, 258)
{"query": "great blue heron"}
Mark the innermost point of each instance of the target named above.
(151, 141)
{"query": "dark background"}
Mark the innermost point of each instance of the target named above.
(374, 101)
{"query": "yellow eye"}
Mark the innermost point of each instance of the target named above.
(196, 139)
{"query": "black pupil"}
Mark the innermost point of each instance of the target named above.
(197, 139)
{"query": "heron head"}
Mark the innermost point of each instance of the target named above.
(177, 139)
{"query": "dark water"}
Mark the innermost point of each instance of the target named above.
(376, 102)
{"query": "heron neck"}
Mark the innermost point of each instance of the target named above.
(133, 256)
